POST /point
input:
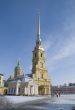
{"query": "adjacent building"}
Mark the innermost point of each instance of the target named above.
(1, 84)
(20, 84)
(3, 89)
(64, 89)
(1, 80)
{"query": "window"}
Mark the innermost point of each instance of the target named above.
(0, 82)
(42, 75)
(14, 90)
(9, 90)
(38, 42)
(19, 89)
(41, 54)
(35, 54)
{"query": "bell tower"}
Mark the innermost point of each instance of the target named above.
(39, 70)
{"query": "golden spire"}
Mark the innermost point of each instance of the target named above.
(38, 33)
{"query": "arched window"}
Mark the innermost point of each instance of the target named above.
(41, 54)
(38, 42)
(19, 89)
(35, 54)
(42, 75)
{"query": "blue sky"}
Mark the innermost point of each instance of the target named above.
(18, 33)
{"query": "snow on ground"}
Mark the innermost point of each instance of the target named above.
(63, 99)
(64, 102)
(21, 99)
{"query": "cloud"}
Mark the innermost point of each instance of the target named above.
(67, 50)
(60, 50)
(60, 45)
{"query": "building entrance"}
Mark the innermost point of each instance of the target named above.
(41, 90)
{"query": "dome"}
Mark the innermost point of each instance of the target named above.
(18, 71)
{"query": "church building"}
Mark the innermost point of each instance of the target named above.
(20, 84)
(39, 70)
(38, 82)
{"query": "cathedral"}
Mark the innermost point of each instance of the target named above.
(38, 82)
(39, 70)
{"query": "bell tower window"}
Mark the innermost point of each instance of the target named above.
(41, 54)
(35, 54)
(42, 76)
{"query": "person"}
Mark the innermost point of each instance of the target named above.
(59, 93)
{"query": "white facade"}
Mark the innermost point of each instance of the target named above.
(28, 87)
(20, 84)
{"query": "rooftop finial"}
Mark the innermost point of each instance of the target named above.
(18, 63)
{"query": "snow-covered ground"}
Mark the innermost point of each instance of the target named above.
(22, 99)
(63, 99)
(64, 102)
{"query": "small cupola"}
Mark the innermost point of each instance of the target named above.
(18, 70)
